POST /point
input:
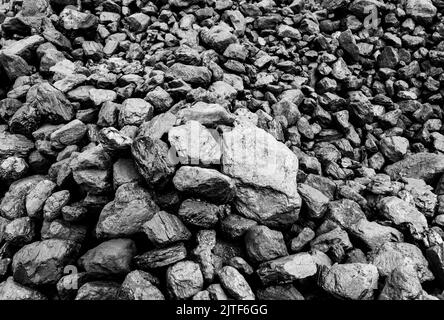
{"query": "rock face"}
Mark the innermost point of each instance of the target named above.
(43, 262)
(435, 256)
(152, 160)
(287, 269)
(13, 203)
(14, 144)
(265, 172)
(98, 290)
(194, 144)
(200, 213)
(140, 285)
(392, 255)
(221, 150)
(184, 279)
(110, 257)
(11, 290)
(426, 166)
(204, 183)
(126, 214)
(208, 114)
(421, 10)
(199, 76)
(161, 257)
(315, 200)
(402, 284)
(264, 244)
(355, 281)
(235, 284)
(164, 228)
(51, 103)
(37, 197)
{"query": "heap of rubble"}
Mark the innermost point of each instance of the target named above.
(222, 149)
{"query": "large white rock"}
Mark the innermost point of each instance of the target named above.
(265, 171)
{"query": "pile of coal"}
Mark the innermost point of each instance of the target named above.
(221, 149)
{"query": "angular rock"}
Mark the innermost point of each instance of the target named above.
(200, 214)
(422, 165)
(335, 237)
(198, 76)
(24, 47)
(394, 148)
(51, 103)
(392, 255)
(134, 111)
(160, 99)
(138, 285)
(303, 238)
(281, 292)
(14, 145)
(77, 20)
(354, 281)
(157, 127)
(35, 199)
(43, 262)
(98, 290)
(263, 244)
(401, 284)
(265, 173)
(184, 279)
(435, 256)
(208, 114)
(124, 171)
(402, 214)
(11, 290)
(20, 231)
(287, 269)
(218, 37)
(153, 160)
(138, 22)
(421, 10)
(235, 284)
(314, 200)
(125, 215)
(204, 183)
(59, 229)
(164, 229)
(348, 43)
(14, 66)
(161, 257)
(113, 140)
(12, 169)
(13, 205)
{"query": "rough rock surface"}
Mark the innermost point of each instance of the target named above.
(265, 172)
(43, 262)
(355, 281)
(126, 214)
